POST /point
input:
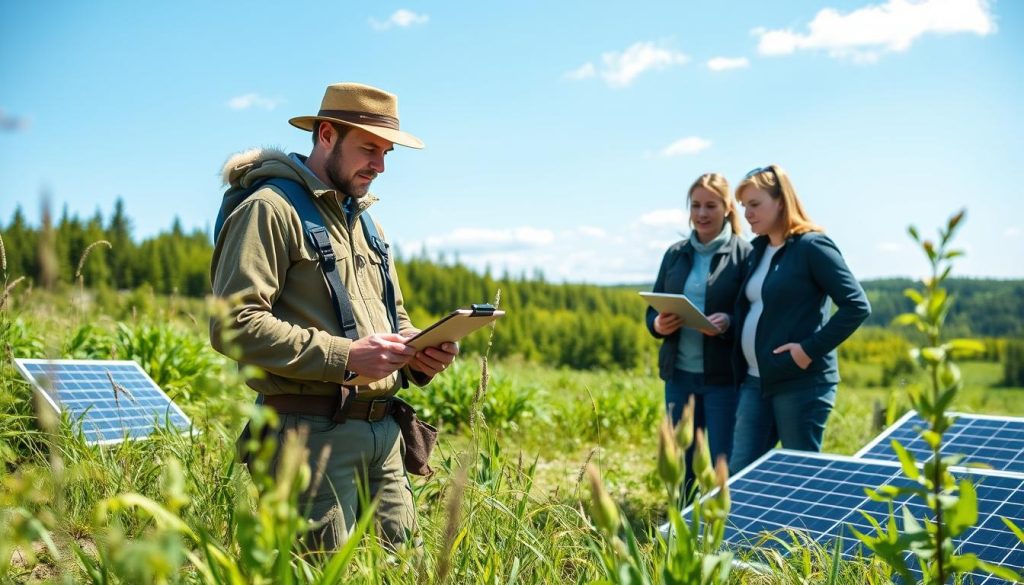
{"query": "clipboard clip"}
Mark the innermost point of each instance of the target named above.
(482, 310)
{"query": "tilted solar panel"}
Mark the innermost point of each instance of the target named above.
(822, 495)
(997, 441)
(109, 400)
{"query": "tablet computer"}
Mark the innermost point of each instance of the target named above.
(679, 305)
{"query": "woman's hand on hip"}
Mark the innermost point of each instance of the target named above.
(667, 323)
(796, 351)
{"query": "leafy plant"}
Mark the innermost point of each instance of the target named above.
(952, 503)
(690, 551)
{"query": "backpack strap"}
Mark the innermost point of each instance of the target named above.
(316, 233)
(381, 247)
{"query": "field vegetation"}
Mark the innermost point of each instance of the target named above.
(551, 466)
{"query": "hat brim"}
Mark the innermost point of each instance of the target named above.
(389, 134)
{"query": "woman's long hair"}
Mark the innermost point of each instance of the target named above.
(774, 181)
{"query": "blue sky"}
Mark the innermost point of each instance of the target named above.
(560, 136)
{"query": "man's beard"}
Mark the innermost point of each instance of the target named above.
(341, 183)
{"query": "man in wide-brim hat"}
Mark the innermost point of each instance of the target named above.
(331, 361)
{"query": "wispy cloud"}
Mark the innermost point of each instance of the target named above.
(594, 232)
(727, 63)
(863, 35)
(675, 218)
(620, 69)
(9, 123)
(1012, 232)
(686, 146)
(401, 18)
(481, 239)
(253, 100)
(628, 252)
(585, 71)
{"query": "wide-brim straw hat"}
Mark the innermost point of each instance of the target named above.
(361, 106)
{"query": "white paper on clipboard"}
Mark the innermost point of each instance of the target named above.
(679, 305)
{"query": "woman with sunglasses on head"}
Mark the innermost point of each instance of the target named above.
(706, 267)
(786, 357)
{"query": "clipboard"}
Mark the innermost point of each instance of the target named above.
(682, 306)
(455, 325)
(450, 328)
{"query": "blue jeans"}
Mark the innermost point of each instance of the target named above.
(714, 411)
(797, 418)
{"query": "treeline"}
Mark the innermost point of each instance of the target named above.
(574, 325)
(173, 262)
(983, 307)
(579, 326)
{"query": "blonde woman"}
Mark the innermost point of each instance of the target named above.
(787, 351)
(708, 268)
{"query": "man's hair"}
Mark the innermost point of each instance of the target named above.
(341, 129)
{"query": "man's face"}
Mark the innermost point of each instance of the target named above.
(356, 160)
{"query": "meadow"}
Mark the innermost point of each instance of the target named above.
(509, 502)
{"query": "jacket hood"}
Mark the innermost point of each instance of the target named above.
(244, 169)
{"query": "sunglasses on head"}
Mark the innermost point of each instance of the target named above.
(759, 170)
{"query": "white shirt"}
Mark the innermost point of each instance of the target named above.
(753, 292)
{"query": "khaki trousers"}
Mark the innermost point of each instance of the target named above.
(363, 455)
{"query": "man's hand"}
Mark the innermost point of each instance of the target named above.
(379, 355)
(667, 323)
(433, 360)
(796, 351)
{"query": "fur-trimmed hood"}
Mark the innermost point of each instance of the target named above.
(245, 169)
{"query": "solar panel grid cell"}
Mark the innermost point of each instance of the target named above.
(132, 406)
(824, 495)
(991, 440)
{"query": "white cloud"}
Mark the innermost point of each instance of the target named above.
(1012, 232)
(727, 63)
(627, 252)
(482, 239)
(594, 232)
(252, 100)
(675, 218)
(620, 69)
(685, 146)
(401, 18)
(585, 71)
(863, 35)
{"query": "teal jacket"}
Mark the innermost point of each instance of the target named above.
(805, 277)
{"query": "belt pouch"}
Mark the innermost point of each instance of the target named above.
(419, 437)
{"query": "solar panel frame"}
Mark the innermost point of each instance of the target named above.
(832, 512)
(91, 377)
(997, 441)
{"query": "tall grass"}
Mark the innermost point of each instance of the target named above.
(508, 503)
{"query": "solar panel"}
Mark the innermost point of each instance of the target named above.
(109, 400)
(997, 441)
(821, 495)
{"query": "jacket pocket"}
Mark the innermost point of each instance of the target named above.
(779, 366)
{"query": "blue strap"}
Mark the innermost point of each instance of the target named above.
(318, 236)
(381, 247)
(316, 233)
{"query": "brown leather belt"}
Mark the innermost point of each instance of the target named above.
(314, 405)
